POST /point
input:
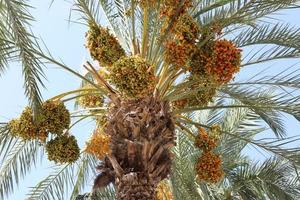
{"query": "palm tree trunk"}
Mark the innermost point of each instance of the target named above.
(135, 186)
(142, 133)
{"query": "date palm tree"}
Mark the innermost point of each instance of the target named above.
(166, 107)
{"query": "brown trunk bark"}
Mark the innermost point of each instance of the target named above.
(142, 133)
(134, 186)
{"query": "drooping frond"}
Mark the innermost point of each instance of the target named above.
(241, 121)
(47, 57)
(89, 10)
(243, 124)
(287, 80)
(232, 12)
(17, 159)
(54, 185)
(266, 53)
(277, 147)
(267, 104)
(18, 18)
(85, 169)
(7, 50)
(183, 178)
(273, 178)
(69, 176)
(268, 96)
(278, 34)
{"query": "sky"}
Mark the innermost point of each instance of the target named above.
(66, 41)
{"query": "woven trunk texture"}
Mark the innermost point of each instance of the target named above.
(142, 133)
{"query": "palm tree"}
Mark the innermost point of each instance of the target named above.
(166, 107)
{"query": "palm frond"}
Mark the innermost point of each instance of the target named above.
(48, 58)
(124, 21)
(89, 10)
(266, 53)
(241, 121)
(7, 50)
(6, 141)
(18, 19)
(54, 185)
(86, 167)
(18, 159)
(72, 176)
(215, 116)
(277, 147)
(272, 118)
(273, 178)
(183, 178)
(240, 12)
(266, 104)
(284, 81)
(241, 126)
(279, 34)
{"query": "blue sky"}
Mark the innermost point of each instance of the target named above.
(66, 41)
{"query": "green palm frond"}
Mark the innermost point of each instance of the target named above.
(113, 18)
(89, 10)
(7, 50)
(240, 12)
(17, 22)
(69, 176)
(121, 10)
(18, 157)
(86, 167)
(242, 122)
(283, 39)
(54, 185)
(267, 104)
(266, 53)
(287, 81)
(279, 34)
(237, 121)
(183, 178)
(208, 5)
(47, 57)
(277, 147)
(6, 141)
(273, 178)
(215, 116)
